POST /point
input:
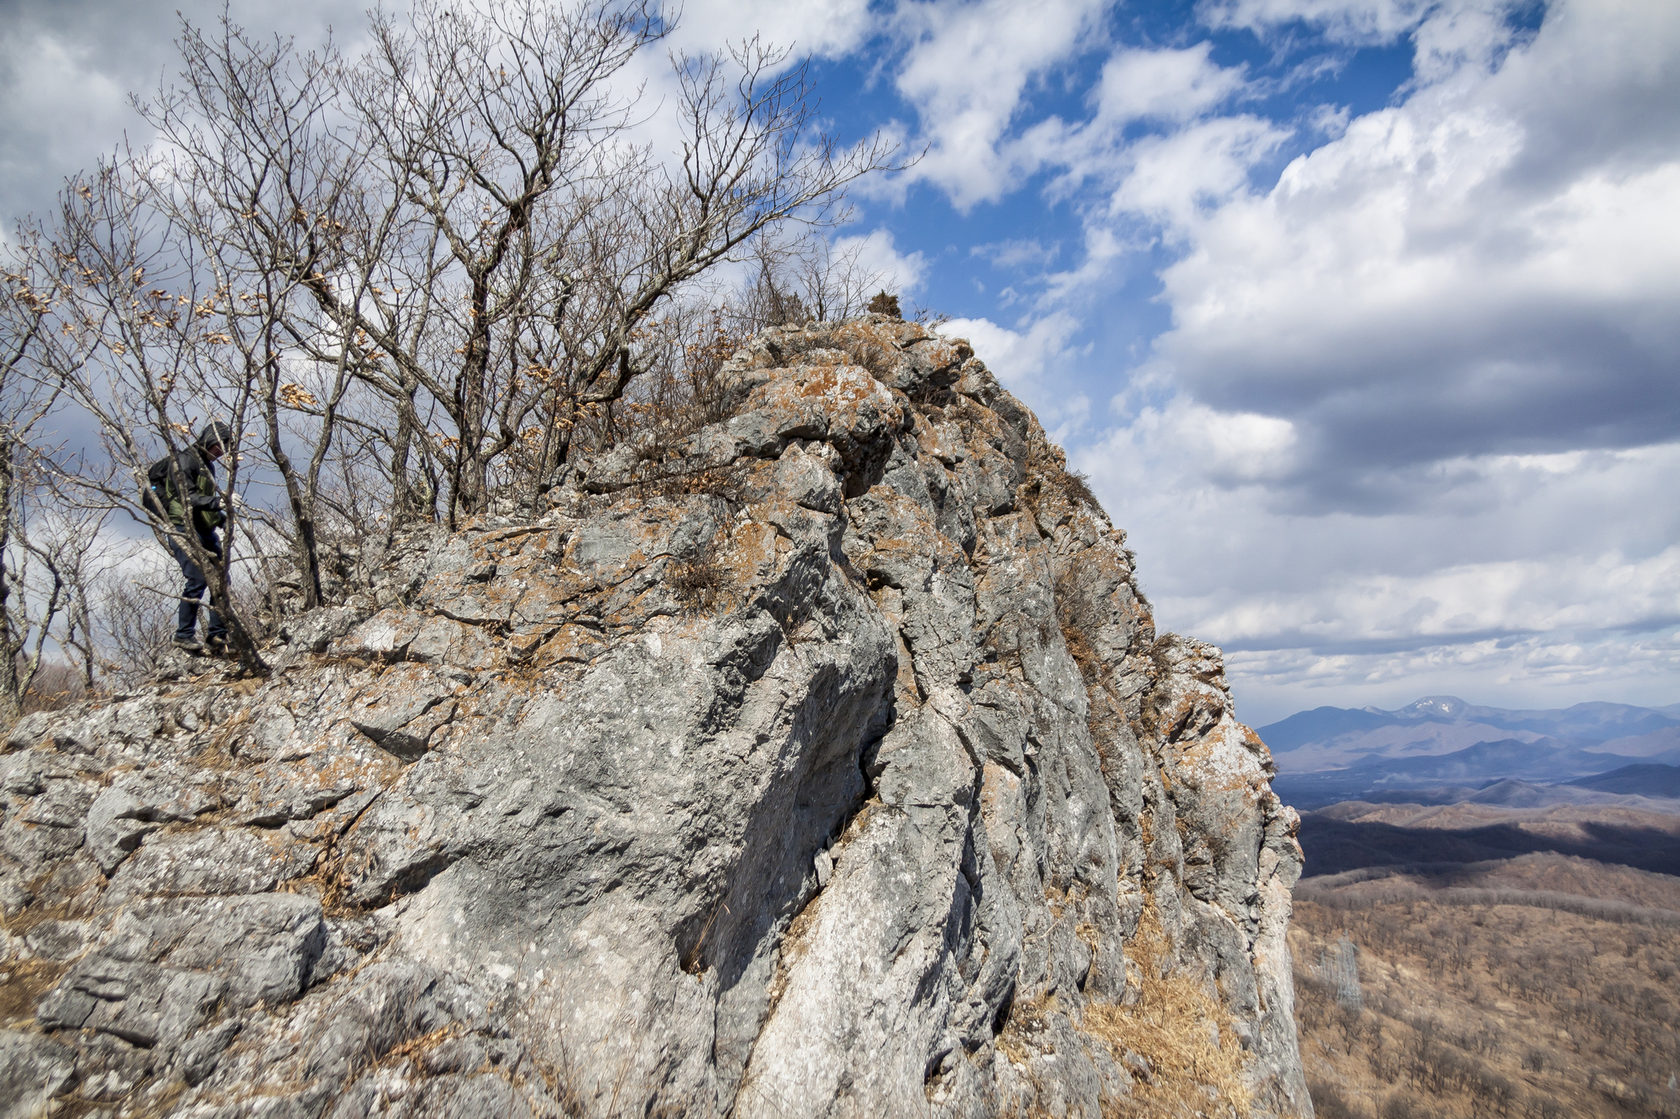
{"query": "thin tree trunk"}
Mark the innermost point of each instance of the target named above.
(11, 688)
(304, 548)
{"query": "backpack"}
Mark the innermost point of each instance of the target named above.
(156, 496)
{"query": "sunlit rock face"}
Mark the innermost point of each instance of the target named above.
(823, 762)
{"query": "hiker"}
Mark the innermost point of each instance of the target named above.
(196, 465)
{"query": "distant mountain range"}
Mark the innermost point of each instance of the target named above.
(1441, 749)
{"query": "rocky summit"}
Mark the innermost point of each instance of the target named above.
(822, 762)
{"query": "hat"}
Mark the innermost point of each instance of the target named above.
(216, 434)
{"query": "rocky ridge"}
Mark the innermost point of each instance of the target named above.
(824, 762)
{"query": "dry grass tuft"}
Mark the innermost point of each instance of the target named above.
(23, 984)
(1158, 709)
(415, 1047)
(870, 352)
(698, 581)
(1196, 1062)
(676, 480)
(1076, 487)
(1078, 616)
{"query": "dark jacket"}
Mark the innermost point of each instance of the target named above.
(204, 498)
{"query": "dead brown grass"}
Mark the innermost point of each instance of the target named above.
(1195, 1061)
(1078, 618)
(698, 581)
(22, 985)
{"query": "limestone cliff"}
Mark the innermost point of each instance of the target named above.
(824, 763)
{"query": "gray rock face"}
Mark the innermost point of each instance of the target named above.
(824, 764)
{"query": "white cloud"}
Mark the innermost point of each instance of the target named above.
(1168, 85)
(966, 70)
(1498, 559)
(1190, 447)
(1460, 37)
(1415, 290)
(1165, 87)
(1223, 536)
(877, 255)
(1609, 591)
(1172, 178)
(812, 27)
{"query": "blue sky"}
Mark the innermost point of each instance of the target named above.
(1363, 316)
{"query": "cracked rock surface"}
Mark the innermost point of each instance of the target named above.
(824, 763)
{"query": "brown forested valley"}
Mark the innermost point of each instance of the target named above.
(1518, 981)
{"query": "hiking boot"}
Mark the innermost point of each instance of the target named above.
(217, 646)
(189, 646)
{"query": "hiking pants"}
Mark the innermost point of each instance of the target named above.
(186, 618)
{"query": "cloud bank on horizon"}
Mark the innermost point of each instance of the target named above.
(1360, 314)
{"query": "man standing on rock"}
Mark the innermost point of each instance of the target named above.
(196, 466)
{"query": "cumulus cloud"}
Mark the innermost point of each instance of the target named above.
(814, 27)
(1413, 291)
(1495, 560)
(1172, 178)
(1386, 611)
(1192, 440)
(1158, 89)
(1224, 531)
(966, 70)
(1173, 84)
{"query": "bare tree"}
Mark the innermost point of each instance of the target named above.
(133, 634)
(42, 560)
(23, 316)
(53, 560)
(259, 159)
(416, 279)
(136, 348)
(831, 280)
(1341, 963)
(471, 212)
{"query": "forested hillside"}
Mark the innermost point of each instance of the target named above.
(1504, 976)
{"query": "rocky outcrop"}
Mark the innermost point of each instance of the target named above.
(824, 762)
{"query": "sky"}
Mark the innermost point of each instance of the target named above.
(1362, 316)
